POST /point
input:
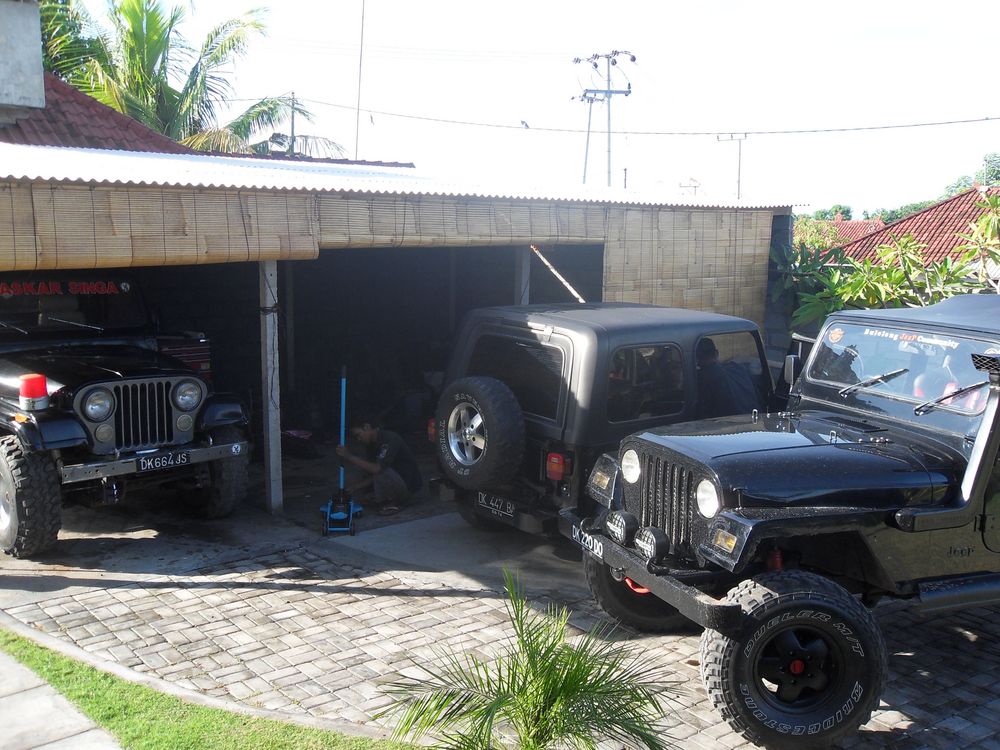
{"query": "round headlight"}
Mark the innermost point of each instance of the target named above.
(187, 395)
(708, 498)
(630, 466)
(98, 405)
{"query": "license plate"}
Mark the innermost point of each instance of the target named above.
(162, 461)
(496, 506)
(591, 544)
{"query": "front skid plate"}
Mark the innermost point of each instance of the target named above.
(695, 605)
(122, 466)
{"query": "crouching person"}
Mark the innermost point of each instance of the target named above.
(391, 471)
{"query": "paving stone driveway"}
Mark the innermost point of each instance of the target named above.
(302, 632)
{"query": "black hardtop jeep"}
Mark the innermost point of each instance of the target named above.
(89, 406)
(534, 394)
(880, 480)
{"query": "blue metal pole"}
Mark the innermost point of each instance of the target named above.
(343, 418)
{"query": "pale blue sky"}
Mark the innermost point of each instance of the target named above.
(702, 66)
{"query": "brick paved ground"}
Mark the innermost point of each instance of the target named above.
(301, 633)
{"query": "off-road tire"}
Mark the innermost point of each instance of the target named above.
(227, 478)
(31, 498)
(501, 432)
(644, 612)
(794, 621)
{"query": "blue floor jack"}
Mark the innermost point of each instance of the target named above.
(339, 512)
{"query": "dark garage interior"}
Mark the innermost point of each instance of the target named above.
(389, 315)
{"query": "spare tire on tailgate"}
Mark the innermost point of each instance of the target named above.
(480, 433)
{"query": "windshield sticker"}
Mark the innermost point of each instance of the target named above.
(50, 288)
(835, 335)
(913, 338)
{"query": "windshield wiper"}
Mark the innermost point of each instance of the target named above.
(921, 409)
(885, 377)
(76, 323)
(5, 324)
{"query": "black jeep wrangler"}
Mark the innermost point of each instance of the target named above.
(88, 406)
(881, 480)
(535, 394)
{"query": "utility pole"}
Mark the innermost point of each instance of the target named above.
(291, 141)
(361, 57)
(602, 95)
(739, 156)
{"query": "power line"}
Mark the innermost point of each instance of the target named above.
(731, 131)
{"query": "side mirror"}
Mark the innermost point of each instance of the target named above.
(793, 366)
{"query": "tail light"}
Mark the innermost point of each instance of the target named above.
(432, 430)
(34, 392)
(558, 466)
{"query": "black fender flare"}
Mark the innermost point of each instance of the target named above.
(44, 432)
(220, 410)
(754, 528)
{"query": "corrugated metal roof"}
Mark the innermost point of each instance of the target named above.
(108, 167)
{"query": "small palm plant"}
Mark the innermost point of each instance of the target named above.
(541, 692)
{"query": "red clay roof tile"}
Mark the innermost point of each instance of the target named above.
(71, 118)
(937, 226)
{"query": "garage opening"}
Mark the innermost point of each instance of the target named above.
(390, 316)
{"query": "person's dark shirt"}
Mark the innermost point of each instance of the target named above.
(724, 390)
(392, 453)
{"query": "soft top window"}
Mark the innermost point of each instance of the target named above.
(532, 370)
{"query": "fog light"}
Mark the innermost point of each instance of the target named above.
(105, 433)
(185, 422)
(652, 543)
(621, 526)
(724, 540)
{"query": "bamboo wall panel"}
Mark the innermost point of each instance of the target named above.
(45, 226)
(707, 259)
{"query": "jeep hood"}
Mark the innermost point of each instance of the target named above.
(73, 366)
(815, 459)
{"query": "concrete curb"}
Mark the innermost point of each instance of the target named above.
(163, 686)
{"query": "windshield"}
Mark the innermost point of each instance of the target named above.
(37, 303)
(894, 370)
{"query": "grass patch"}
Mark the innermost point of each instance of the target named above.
(144, 719)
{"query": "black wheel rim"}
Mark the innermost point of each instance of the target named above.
(798, 668)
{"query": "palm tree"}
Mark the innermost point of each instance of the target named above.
(142, 67)
(541, 692)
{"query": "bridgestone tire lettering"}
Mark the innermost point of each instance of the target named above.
(811, 607)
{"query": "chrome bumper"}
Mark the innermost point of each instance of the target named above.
(122, 466)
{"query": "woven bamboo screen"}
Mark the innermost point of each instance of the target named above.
(701, 259)
(422, 221)
(46, 226)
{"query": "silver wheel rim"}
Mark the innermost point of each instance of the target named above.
(466, 434)
(5, 505)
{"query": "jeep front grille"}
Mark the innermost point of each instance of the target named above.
(144, 415)
(666, 498)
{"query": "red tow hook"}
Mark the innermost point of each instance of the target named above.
(635, 586)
